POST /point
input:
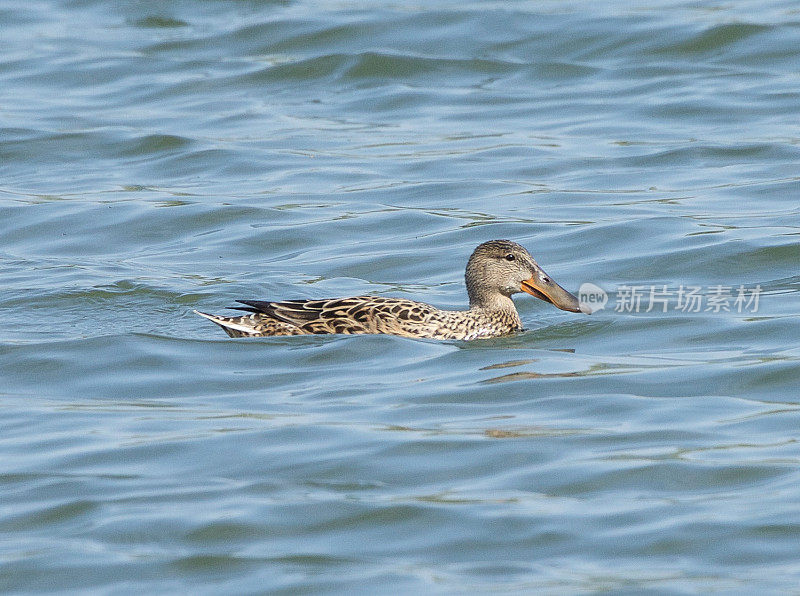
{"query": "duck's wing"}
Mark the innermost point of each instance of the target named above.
(359, 314)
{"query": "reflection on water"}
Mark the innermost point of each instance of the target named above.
(592, 370)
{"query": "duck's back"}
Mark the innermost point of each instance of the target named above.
(365, 314)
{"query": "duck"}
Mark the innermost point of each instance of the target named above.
(495, 271)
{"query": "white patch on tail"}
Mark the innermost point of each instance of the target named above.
(225, 322)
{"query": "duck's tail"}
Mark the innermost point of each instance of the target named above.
(234, 326)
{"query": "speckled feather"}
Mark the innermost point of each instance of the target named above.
(366, 314)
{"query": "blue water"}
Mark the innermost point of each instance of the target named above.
(157, 158)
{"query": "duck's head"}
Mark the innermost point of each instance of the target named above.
(501, 268)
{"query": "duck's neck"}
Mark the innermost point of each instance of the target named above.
(494, 302)
(496, 305)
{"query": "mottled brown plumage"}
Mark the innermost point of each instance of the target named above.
(496, 270)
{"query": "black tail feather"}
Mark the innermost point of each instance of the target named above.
(253, 306)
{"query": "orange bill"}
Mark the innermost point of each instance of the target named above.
(546, 289)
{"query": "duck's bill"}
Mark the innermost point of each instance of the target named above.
(551, 292)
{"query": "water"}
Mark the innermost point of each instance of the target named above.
(156, 158)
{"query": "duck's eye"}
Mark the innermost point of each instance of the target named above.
(509, 257)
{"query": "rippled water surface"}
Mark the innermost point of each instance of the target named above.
(161, 157)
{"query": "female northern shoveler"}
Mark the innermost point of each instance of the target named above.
(496, 270)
